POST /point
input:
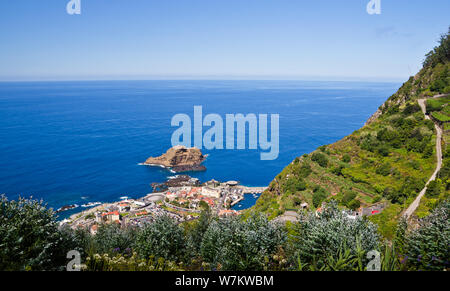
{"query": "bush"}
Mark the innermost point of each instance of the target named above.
(321, 159)
(428, 246)
(384, 169)
(294, 184)
(337, 170)
(231, 244)
(384, 150)
(321, 239)
(349, 196)
(346, 158)
(162, 238)
(29, 237)
(369, 143)
(319, 196)
(387, 135)
(305, 170)
(354, 204)
(411, 108)
(111, 238)
(196, 233)
(433, 189)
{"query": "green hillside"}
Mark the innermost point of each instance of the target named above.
(387, 162)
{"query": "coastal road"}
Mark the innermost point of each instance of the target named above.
(412, 208)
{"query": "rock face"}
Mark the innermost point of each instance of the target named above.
(179, 159)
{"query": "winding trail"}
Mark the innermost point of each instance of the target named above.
(412, 208)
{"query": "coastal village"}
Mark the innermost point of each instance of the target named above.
(182, 199)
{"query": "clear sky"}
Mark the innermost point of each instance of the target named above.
(225, 39)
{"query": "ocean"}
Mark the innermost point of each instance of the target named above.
(79, 142)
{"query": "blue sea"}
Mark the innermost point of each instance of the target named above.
(80, 142)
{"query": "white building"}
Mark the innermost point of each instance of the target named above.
(210, 192)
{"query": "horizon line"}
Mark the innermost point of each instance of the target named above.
(208, 78)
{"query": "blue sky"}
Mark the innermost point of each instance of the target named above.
(225, 39)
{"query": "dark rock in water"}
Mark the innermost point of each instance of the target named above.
(67, 207)
(176, 181)
(194, 168)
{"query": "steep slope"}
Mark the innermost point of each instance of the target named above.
(387, 162)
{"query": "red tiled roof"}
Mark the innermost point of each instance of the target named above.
(111, 213)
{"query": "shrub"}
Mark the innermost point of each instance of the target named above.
(234, 245)
(411, 108)
(305, 170)
(433, 189)
(294, 184)
(29, 237)
(197, 231)
(346, 158)
(162, 238)
(319, 196)
(349, 196)
(321, 159)
(337, 170)
(322, 237)
(354, 204)
(428, 246)
(384, 150)
(111, 238)
(384, 169)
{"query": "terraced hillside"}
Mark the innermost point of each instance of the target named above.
(387, 162)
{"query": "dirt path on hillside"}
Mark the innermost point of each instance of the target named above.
(412, 208)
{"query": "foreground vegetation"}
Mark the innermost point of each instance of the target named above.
(31, 240)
